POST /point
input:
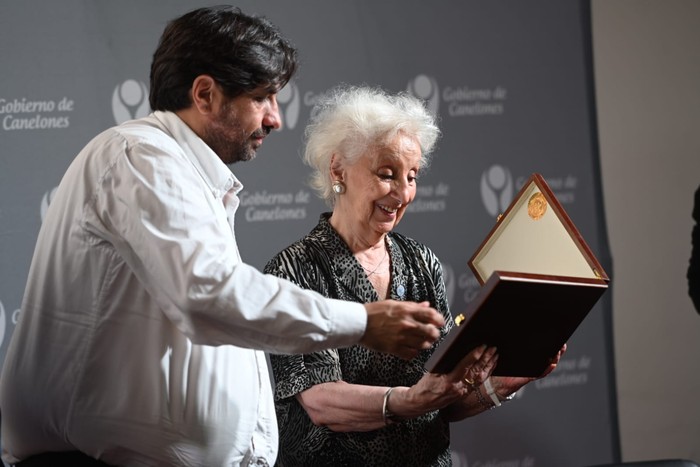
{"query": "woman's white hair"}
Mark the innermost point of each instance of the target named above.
(349, 120)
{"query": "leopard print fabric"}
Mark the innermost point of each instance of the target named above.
(323, 262)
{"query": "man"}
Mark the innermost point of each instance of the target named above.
(138, 324)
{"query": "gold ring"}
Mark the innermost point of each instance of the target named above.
(468, 381)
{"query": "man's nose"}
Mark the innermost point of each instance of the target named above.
(272, 116)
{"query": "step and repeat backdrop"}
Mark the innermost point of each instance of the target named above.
(511, 82)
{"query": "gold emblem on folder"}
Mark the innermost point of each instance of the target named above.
(459, 319)
(537, 206)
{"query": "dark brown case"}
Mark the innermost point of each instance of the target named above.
(539, 281)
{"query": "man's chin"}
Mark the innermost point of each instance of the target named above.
(248, 156)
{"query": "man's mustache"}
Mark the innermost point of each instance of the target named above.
(262, 132)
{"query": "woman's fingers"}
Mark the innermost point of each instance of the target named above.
(476, 366)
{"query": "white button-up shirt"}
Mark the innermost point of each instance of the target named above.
(138, 322)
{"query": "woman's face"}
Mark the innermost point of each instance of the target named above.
(381, 184)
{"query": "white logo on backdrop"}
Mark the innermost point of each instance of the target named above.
(461, 101)
(290, 105)
(2, 324)
(46, 201)
(466, 101)
(262, 206)
(426, 87)
(570, 371)
(430, 198)
(27, 114)
(496, 189)
(130, 101)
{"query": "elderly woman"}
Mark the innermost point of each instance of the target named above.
(354, 406)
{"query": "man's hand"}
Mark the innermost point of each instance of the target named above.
(401, 328)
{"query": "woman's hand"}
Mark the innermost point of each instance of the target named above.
(507, 385)
(435, 391)
(354, 407)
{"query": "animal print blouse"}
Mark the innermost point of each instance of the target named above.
(323, 262)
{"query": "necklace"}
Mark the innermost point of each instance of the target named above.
(373, 271)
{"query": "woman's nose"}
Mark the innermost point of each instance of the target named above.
(404, 191)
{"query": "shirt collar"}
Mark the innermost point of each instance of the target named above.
(214, 172)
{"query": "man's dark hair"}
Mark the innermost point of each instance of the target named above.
(240, 52)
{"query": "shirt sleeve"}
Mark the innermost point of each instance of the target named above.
(165, 222)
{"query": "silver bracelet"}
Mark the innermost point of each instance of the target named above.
(387, 416)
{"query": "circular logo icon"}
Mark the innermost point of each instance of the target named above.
(496, 189)
(426, 88)
(130, 101)
(3, 324)
(289, 99)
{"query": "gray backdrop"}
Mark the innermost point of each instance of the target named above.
(510, 80)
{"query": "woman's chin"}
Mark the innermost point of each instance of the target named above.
(386, 226)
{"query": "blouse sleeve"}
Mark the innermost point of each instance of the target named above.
(296, 373)
(434, 272)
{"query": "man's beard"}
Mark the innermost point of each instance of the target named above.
(227, 138)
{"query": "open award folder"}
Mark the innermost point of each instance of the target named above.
(539, 281)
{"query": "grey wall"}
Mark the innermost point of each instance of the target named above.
(647, 68)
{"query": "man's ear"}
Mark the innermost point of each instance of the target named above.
(205, 94)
